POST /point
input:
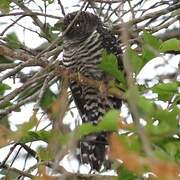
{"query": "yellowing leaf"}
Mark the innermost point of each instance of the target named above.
(4, 5)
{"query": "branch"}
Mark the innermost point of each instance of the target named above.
(132, 98)
(21, 173)
(58, 70)
(62, 8)
(30, 14)
(18, 68)
(55, 42)
(155, 14)
(13, 94)
(27, 10)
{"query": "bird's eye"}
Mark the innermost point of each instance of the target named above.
(77, 25)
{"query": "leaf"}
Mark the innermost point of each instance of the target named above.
(108, 123)
(9, 175)
(170, 45)
(48, 98)
(4, 135)
(109, 64)
(4, 59)
(150, 47)
(138, 164)
(3, 88)
(145, 107)
(25, 127)
(44, 154)
(4, 6)
(173, 149)
(131, 142)
(136, 60)
(31, 136)
(46, 136)
(151, 40)
(13, 41)
(168, 123)
(110, 120)
(4, 121)
(59, 26)
(160, 153)
(165, 91)
(126, 174)
(49, 1)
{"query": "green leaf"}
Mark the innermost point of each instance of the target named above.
(160, 153)
(136, 60)
(4, 121)
(47, 32)
(59, 26)
(25, 127)
(4, 59)
(31, 136)
(108, 123)
(48, 98)
(13, 41)
(151, 40)
(165, 91)
(49, 1)
(44, 154)
(145, 107)
(110, 120)
(4, 6)
(109, 64)
(131, 142)
(3, 88)
(150, 47)
(168, 123)
(173, 149)
(8, 175)
(170, 45)
(177, 155)
(125, 174)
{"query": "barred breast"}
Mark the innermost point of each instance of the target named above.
(84, 56)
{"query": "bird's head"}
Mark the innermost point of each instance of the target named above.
(84, 24)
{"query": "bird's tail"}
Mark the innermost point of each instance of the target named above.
(93, 150)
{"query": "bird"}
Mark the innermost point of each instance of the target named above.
(84, 41)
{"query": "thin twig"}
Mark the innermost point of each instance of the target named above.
(66, 30)
(30, 14)
(62, 8)
(22, 173)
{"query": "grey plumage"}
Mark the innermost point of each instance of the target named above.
(84, 44)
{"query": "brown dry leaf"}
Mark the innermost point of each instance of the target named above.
(167, 170)
(118, 151)
(59, 107)
(4, 135)
(56, 113)
(136, 163)
(122, 125)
